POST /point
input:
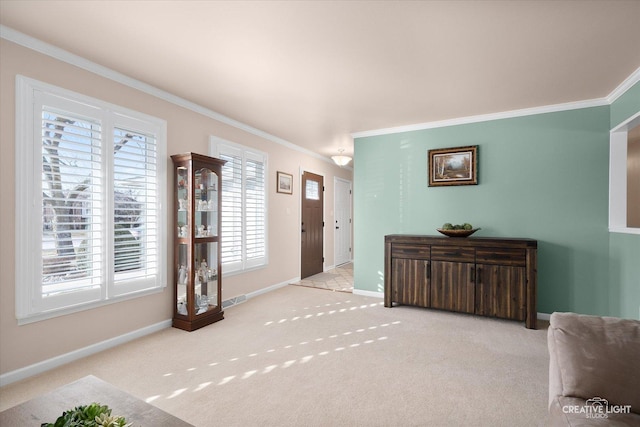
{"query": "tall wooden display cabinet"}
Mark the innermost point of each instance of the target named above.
(197, 281)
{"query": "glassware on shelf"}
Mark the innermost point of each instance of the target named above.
(182, 275)
(204, 304)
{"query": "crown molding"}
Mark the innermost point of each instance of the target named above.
(78, 61)
(624, 86)
(599, 102)
(485, 117)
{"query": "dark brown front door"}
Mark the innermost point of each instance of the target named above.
(312, 224)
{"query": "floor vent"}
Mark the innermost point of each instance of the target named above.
(233, 301)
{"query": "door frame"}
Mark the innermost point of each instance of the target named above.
(302, 170)
(350, 207)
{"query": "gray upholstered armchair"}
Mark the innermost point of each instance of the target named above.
(594, 370)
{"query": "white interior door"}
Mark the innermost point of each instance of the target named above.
(342, 225)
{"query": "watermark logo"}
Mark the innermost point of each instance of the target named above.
(596, 407)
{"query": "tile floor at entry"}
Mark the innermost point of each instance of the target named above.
(340, 279)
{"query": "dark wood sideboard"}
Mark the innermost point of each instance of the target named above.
(493, 277)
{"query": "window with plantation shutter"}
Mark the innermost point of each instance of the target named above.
(243, 219)
(89, 196)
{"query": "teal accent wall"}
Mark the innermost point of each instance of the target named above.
(624, 249)
(543, 176)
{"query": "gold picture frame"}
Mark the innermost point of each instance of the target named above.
(453, 166)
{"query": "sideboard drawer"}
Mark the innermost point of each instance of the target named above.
(453, 253)
(501, 256)
(408, 250)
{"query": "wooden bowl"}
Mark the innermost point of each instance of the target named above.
(457, 233)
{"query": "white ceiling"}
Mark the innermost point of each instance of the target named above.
(313, 72)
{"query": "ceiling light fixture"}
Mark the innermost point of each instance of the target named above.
(341, 160)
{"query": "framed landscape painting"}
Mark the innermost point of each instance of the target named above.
(284, 183)
(453, 166)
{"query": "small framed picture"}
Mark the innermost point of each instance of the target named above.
(453, 166)
(284, 183)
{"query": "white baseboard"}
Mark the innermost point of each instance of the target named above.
(54, 362)
(333, 267)
(368, 293)
(272, 287)
(544, 316)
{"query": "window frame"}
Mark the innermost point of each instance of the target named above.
(216, 147)
(618, 139)
(30, 305)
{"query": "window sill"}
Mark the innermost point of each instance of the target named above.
(624, 230)
(76, 309)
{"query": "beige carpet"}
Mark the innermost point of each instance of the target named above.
(303, 357)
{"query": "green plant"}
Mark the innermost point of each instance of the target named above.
(449, 226)
(93, 415)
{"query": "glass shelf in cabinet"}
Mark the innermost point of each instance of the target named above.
(207, 239)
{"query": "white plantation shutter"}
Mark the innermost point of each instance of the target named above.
(135, 207)
(71, 203)
(89, 196)
(244, 242)
(231, 220)
(255, 210)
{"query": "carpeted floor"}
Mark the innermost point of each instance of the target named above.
(298, 356)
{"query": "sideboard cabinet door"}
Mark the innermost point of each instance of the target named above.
(452, 286)
(452, 282)
(410, 281)
(500, 291)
